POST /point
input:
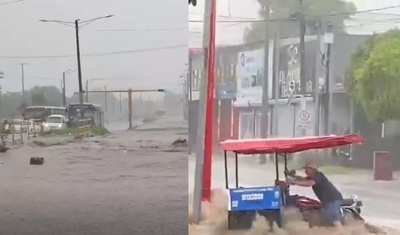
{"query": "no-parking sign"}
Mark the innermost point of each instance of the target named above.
(304, 119)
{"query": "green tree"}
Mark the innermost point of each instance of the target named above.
(285, 12)
(38, 99)
(12, 104)
(373, 77)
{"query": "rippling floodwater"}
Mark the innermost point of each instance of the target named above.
(215, 223)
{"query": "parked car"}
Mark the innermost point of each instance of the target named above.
(55, 122)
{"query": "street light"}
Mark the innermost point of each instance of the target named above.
(63, 86)
(1, 77)
(193, 2)
(78, 24)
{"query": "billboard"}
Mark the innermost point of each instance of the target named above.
(249, 75)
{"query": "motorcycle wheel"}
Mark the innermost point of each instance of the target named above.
(351, 216)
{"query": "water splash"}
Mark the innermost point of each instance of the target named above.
(214, 222)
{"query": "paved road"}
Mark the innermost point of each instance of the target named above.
(131, 182)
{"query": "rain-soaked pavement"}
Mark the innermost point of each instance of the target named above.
(131, 182)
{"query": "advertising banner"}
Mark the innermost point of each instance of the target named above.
(289, 70)
(251, 199)
(250, 73)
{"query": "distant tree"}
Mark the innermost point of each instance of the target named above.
(51, 95)
(285, 12)
(38, 99)
(12, 104)
(374, 77)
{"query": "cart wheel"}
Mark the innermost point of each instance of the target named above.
(232, 221)
(283, 220)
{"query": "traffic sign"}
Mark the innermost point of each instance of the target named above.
(304, 119)
(305, 116)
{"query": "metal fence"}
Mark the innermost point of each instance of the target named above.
(84, 126)
(23, 130)
(33, 129)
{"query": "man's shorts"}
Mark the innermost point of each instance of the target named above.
(333, 212)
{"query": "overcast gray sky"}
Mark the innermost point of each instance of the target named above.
(158, 23)
(153, 24)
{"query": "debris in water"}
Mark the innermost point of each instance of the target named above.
(39, 143)
(149, 147)
(180, 143)
(36, 161)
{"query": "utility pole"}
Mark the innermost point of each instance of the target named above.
(76, 24)
(302, 49)
(78, 57)
(265, 85)
(23, 81)
(318, 87)
(277, 51)
(303, 83)
(200, 165)
(327, 81)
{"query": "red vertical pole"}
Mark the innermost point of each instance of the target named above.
(208, 138)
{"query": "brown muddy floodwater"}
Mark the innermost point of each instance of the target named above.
(131, 182)
(215, 223)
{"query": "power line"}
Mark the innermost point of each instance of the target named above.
(292, 19)
(96, 54)
(224, 16)
(12, 2)
(143, 30)
(368, 10)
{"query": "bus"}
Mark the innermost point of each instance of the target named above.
(40, 113)
(92, 111)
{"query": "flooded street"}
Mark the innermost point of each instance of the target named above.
(379, 198)
(104, 185)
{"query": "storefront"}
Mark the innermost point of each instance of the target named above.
(249, 77)
(283, 118)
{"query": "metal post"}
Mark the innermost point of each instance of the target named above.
(23, 81)
(120, 101)
(130, 109)
(303, 107)
(317, 88)
(78, 57)
(105, 99)
(87, 91)
(64, 91)
(265, 86)
(276, 82)
(190, 77)
(113, 104)
(198, 185)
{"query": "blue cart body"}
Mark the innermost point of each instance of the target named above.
(246, 203)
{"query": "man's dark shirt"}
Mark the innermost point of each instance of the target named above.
(325, 191)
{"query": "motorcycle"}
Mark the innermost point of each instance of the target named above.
(311, 209)
(344, 158)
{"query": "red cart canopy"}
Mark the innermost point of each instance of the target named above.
(288, 145)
